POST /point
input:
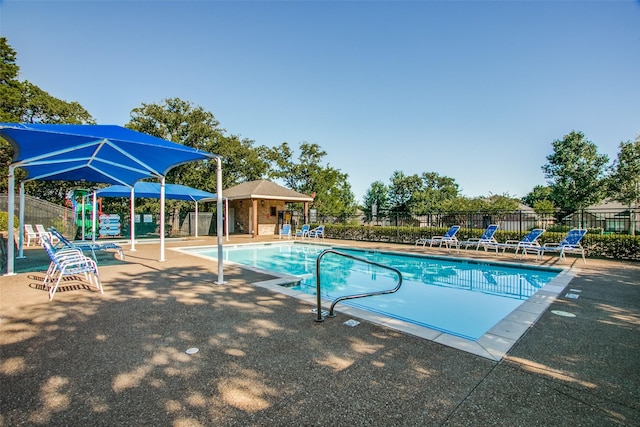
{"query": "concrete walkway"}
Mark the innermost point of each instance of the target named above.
(120, 358)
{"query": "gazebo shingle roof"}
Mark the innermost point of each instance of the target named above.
(263, 189)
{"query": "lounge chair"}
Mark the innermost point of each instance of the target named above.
(85, 246)
(30, 235)
(569, 245)
(449, 238)
(285, 230)
(42, 232)
(486, 240)
(68, 262)
(302, 232)
(528, 241)
(317, 232)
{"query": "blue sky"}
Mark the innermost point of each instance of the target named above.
(473, 90)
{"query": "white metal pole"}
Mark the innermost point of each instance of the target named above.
(10, 216)
(162, 219)
(226, 215)
(94, 207)
(196, 218)
(21, 229)
(132, 203)
(219, 229)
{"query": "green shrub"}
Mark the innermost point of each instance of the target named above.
(596, 245)
(4, 220)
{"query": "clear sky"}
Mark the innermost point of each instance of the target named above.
(473, 90)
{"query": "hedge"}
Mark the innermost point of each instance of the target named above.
(621, 247)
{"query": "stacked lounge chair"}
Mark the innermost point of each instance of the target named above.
(84, 245)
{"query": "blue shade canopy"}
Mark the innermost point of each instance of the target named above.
(151, 190)
(93, 153)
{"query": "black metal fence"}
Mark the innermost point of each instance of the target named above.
(598, 221)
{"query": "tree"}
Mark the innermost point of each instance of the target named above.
(539, 193)
(377, 195)
(402, 191)
(331, 187)
(575, 172)
(624, 180)
(181, 122)
(435, 190)
(27, 103)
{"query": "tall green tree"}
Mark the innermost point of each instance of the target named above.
(307, 175)
(624, 180)
(435, 189)
(184, 123)
(376, 196)
(539, 193)
(575, 172)
(24, 102)
(402, 191)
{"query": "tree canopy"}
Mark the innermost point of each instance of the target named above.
(330, 186)
(575, 172)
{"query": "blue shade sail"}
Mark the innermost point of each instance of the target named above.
(151, 190)
(93, 153)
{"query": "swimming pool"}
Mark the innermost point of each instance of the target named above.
(457, 297)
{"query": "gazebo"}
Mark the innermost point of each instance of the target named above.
(259, 207)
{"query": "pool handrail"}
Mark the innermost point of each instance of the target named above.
(319, 317)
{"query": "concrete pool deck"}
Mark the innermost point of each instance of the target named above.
(120, 358)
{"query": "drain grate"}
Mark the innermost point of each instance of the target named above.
(351, 323)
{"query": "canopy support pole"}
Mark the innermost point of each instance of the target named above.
(10, 216)
(94, 207)
(21, 229)
(162, 219)
(219, 229)
(196, 218)
(226, 215)
(132, 204)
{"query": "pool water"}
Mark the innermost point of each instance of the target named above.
(459, 297)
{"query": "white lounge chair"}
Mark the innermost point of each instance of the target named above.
(85, 246)
(529, 241)
(569, 245)
(449, 238)
(486, 240)
(68, 262)
(30, 235)
(42, 232)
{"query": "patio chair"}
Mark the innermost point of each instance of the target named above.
(302, 232)
(569, 245)
(317, 232)
(85, 246)
(528, 241)
(486, 240)
(68, 262)
(449, 238)
(42, 232)
(285, 230)
(30, 235)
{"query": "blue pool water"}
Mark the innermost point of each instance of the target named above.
(462, 298)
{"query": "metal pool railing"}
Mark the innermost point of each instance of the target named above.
(319, 317)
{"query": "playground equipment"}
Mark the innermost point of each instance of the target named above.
(86, 220)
